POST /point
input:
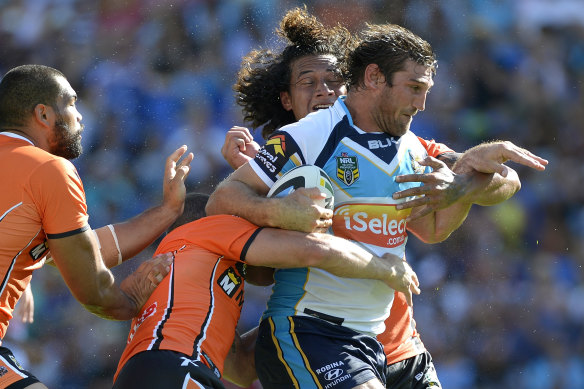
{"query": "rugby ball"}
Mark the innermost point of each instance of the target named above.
(304, 176)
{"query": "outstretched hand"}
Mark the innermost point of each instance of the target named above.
(139, 285)
(175, 173)
(405, 279)
(239, 147)
(442, 188)
(490, 158)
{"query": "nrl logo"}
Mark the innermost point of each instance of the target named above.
(416, 167)
(347, 169)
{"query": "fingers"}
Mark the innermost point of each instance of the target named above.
(411, 192)
(324, 224)
(184, 167)
(491, 166)
(409, 298)
(236, 138)
(176, 169)
(413, 287)
(239, 133)
(313, 193)
(413, 178)
(434, 163)
(159, 267)
(419, 213)
(175, 156)
(524, 157)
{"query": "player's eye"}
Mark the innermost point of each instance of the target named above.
(305, 83)
(334, 81)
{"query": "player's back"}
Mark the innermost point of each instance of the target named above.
(196, 308)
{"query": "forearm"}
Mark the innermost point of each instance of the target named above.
(135, 234)
(476, 188)
(90, 282)
(234, 197)
(109, 301)
(346, 259)
(491, 189)
(289, 249)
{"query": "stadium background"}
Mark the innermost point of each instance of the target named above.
(502, 301)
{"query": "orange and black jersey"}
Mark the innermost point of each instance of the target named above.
(42, 196)
(195, 309)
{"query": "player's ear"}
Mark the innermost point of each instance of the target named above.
(44, 115)
(286, 101)
(373, 77)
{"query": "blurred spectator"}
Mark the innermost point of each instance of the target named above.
(502, 300)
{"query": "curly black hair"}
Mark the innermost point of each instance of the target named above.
(389, 46)
(265, 73)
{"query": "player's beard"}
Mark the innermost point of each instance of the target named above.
(67, 143)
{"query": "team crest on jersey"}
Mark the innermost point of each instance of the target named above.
(39, 251)
(347, 168)
(229, 281)
(415, 161)
(3, 371)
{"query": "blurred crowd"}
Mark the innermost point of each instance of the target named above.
(502, 301)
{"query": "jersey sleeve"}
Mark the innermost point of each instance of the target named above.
(296, 144)
(435, 149)
(226, 235)
(279, 154)
(60, 198)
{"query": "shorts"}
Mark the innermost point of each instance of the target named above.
(12, 375)
(413, 373)
(305, 353)
(156, 369)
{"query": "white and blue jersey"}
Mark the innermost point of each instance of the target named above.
(362, 166)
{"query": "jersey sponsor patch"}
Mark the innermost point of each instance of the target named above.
(229, 281)
(347, 168)
(38, 251)
(378, 224)
(279, 154)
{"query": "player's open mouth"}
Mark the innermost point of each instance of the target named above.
(321, 106)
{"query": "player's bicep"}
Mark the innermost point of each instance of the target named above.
(78, 259)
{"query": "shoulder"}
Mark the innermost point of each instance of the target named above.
(314, 128)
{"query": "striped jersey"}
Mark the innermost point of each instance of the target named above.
(195, 309)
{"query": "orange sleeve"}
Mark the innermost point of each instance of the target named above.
(60, 198)
(225, 235)
(435, 149)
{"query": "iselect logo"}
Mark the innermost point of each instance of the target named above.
(378, 224)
